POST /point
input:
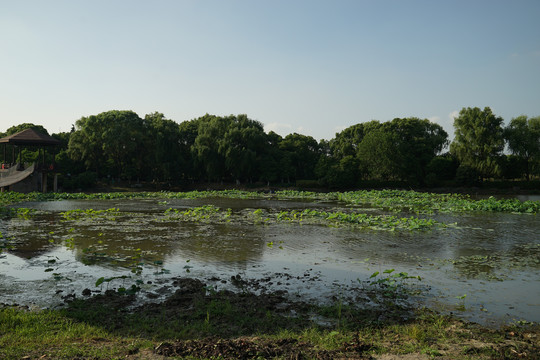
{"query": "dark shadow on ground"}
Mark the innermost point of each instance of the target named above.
(207, 323)
(199, 322)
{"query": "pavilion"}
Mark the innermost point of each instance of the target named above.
(15, 172)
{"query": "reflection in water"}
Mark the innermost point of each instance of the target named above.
(493, 258)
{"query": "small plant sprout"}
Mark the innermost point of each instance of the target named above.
(461, 303)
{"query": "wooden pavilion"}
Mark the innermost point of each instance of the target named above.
(16, 172)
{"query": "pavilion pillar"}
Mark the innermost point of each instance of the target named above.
(55, 183)
(43, 182)
(21, 165)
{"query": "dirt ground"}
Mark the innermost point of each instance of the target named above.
(235, 329)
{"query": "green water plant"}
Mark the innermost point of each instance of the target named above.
(5, 244)
(390, 200)
(12, 212)
(77, 214)
(461, 303)
(376, 222)
(312, 216)
(417, 202)
(393, 284)
(195, 214)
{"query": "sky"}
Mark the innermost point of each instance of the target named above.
(308, 66)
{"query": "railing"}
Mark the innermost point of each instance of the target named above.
(13, 174)
(10, 169)
(18, 167)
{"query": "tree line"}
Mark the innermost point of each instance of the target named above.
(121, 145)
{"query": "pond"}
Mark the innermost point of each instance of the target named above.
(483, 266)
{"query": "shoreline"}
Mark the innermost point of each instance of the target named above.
(198, 323)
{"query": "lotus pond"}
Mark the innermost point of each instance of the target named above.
(479, 258)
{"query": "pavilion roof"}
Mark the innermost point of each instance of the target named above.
(29, 137)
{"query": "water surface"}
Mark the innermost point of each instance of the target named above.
(493, 259)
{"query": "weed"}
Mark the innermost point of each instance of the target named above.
(392, 284)
(461, 303)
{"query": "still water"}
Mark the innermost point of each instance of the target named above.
(484, 268)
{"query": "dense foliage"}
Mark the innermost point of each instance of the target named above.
(479, 140)
(120, 145)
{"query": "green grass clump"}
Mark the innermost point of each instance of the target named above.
(50, 334)
(199, 324)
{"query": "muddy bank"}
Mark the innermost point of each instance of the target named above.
(198, 322)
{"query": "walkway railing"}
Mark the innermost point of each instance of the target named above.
(14, 175)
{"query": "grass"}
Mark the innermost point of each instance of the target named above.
(52, 334)
(195, 323)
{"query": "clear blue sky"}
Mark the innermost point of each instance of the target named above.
(307, 66)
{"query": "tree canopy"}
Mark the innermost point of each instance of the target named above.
(111, 142)
(523, 136)
(399, 149)
(118, 144)
(479, 140)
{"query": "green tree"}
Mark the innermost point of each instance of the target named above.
(205, 148)
(341, 174)
(30, 153)
(400, 149)
(86, 145)
(513, 167)
(300, 156)
(64, 163)
(166, 156)
(441, 168)
(18, 128)
(124, 142)
(379, 155)
(112, 142)
(479, 140)
(188, 132)
(523, 138)
(347, 141)
(243, 146)
(272, 159)
(418, 141)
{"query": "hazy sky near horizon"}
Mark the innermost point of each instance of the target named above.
(308, 66)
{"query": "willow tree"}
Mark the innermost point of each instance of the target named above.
(243, 146)
(300, 156)
(205, 149)
(479, 140)
(379, 155)
(347, 141)
(167, 158)
(113, 141)
(85, 143)
(417, 141)
(523, 137)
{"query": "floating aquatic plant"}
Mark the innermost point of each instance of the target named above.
(391, 200)
(377, 222)
(199, 213)
(90, 213)
(336, 218)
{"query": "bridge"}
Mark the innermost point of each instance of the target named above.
(13, 175)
